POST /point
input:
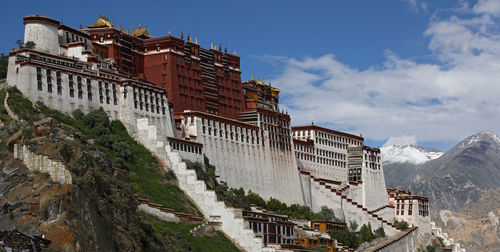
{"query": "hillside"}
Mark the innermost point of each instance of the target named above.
(98, 211)
(476, 226)
(458, 177)
(463, 185)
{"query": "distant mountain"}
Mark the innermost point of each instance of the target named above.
(456, 178)
(412, 154)
(401, 160)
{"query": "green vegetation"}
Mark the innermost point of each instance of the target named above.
(179, 235)
(144, 171)
(327, 214)
(353, 239)
(27, 45)
(4, 61)
(403, 225)
(134, 169)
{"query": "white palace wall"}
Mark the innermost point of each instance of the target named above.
(119, 98)
(269, 172)
(375, 193)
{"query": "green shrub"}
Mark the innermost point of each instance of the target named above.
(78, 114)
(403, 225)
(353, 239)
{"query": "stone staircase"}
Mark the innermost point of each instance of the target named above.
(9, 111)
(447, 241)
(231, 221)
(357, 212)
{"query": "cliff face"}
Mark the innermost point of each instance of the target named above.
(96, 213)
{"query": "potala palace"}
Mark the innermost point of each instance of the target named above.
(185, 102)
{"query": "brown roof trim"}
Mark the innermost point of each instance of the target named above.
(67, 28)
(370, 148)
(329, 222)
(45, 54)
(411, 197)
(318, 128)
(173, 139)
(40, 19)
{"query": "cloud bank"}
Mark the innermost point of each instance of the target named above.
(456, 95)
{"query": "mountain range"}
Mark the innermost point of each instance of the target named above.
(463, 185)
(453, 179)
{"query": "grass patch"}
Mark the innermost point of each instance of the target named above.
(209, 243)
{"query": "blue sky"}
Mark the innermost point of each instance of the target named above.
(378, 68)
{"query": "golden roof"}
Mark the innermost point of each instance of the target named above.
(141, 32)
(101, 22)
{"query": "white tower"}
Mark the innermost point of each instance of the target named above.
(44, 32)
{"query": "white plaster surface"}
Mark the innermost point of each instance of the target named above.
(57, 170)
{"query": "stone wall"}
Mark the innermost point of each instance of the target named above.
(57, 170)
(403, 242)
(374, 191)
(447, 241)
(331, 194)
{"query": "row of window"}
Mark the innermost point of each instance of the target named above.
(320, 160)
(148, 100)
(225, 126)
(231, 135)
(373, 166)
(104, 94)
(326, 138)
(331, 143)
(186, 147)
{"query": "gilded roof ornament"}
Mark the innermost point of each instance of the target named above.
(141, 32)
(100, 23)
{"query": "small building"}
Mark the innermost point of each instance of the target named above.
(273, 228)
(310, 238)
(413, 209)
(327, 226)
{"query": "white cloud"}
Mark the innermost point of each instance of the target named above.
(491, 7)
(417, 5)
(444, 101)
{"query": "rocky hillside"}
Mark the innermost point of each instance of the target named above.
(463, 185)
(476, 226)
(458, 177)
(97, 211)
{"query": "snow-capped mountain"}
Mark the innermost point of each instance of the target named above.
(457, 178)
(411, 153)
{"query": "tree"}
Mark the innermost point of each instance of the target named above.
(379, 232)
(403, 225)
(27, 45)
(353, 226)
(365, 233)
(326, 214)
(30, 45)
(4, 61)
